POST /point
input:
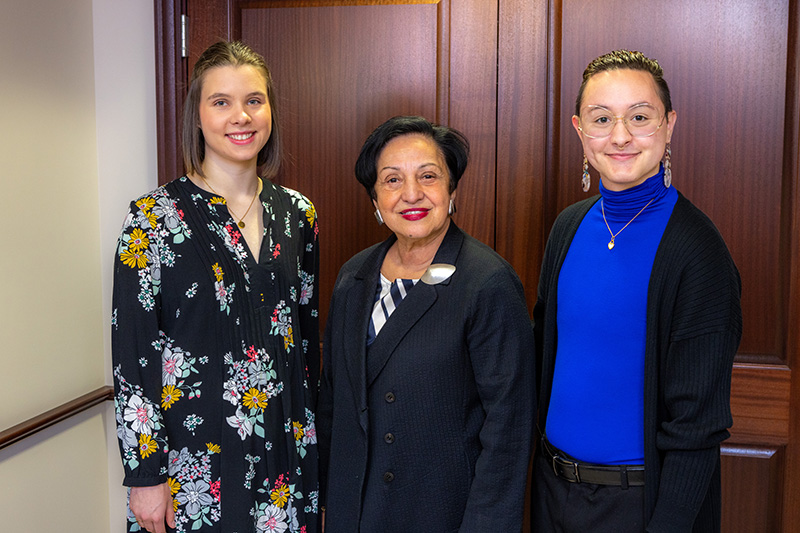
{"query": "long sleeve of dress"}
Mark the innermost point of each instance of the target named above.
(137, 350)
(309, 299)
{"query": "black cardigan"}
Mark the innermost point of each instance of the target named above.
(694, 325)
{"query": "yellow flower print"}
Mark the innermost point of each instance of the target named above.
(254, 398)
(174, 486)
(213, 448)
(218, 273)
(175, 505)
(151, 218)
(138, 240)
(298, 430)
(218, 200)
(146, 445)
(170, 395)
(133, 258)
(311, 213)
(280, 495)
(146, 203)
(288, 339)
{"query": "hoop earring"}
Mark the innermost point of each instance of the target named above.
(452, 209)
(667, 167)
(586, 179)
(379, 217)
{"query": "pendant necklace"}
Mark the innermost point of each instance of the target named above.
(241, 223)
(614, 235)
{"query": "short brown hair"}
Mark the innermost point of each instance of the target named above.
(223, 54)
(626, 59)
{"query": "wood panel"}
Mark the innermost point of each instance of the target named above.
(721, 112)
(758, 509)
(522, 138)
(341, 69)
(760, 404)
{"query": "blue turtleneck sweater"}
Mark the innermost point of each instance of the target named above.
(596, 411)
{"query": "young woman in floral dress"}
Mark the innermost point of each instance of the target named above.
(215, 324)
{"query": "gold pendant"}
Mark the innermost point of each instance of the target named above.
(240, 224)
(611, 244)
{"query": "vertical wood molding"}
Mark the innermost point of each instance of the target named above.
(790, 264)
(170, 82)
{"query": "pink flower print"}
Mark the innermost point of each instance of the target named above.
(277, 251)
(215, 490)
(234, 234)
(251, 353)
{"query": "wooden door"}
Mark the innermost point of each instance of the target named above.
(506, 72)
(342, 68)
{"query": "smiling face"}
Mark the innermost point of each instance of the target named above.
(412, 191)
(623, 160)
(235, 116)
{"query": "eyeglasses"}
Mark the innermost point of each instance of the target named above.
(642, 120)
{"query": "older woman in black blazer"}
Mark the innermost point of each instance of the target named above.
(427, 395)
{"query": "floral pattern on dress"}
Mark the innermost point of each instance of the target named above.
(205, 368)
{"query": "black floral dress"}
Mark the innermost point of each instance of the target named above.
(216, 359)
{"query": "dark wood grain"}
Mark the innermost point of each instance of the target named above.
(170, 82)
(522, 137)
(760, 404)
(726, 66)
(757, 509)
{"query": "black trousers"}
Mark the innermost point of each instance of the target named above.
(559, 506)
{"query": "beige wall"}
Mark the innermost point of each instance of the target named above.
(77, 142)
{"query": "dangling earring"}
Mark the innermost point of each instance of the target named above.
(586, 179)
(379, 217)
(667, 167)
(452, 209)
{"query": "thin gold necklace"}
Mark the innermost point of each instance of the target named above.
(614, 235)
(241, 223)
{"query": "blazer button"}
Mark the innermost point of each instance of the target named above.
(389, 438)
(389, 397)
(388, 477)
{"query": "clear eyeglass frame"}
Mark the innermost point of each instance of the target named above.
(625, 122)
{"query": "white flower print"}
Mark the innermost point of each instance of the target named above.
(243, 424)
(194, 494)
(176, 460)
(272, 521)
(140, 415)
(171, 369)
(310, 436)
(231, 394)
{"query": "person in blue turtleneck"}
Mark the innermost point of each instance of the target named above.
(637, 321)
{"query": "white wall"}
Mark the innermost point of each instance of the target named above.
(77, 142)
(125, 88)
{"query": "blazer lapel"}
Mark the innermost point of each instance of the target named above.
(358, 309)
(414, 306)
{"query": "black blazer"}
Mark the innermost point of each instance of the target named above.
(428, 429)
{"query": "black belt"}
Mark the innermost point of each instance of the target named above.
(573, 471)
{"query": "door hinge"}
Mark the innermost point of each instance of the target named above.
(184, 36)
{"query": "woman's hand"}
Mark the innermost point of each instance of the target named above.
(152, 506)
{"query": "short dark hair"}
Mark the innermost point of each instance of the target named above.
(626, 59)
(224, 54)
(452, 144)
